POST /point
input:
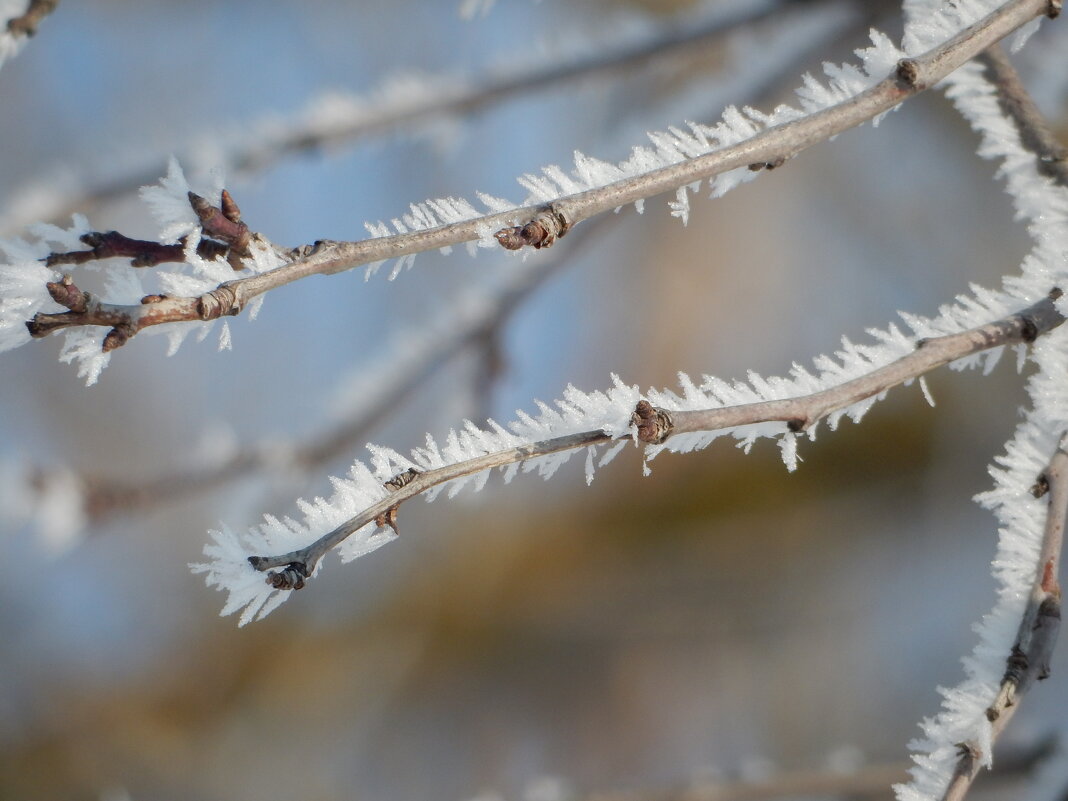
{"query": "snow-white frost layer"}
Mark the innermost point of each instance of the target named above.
(229, 570)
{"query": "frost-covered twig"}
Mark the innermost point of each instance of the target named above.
(800, 413)
(332, 120)
(540, 224)
(1039, 626)
(1035, 132)
(972, 713)
(233, 241)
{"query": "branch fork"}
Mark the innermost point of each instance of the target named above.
(231, 237)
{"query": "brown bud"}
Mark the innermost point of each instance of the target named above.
(230, 208)
(115, 338)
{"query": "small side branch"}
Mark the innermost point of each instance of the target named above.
(232, 239)
(1030, 656)
(653, 425)
(1035, 132)
(251, 156)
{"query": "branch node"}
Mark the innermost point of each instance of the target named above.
(654, 424)
(289, 578)
(153, 299)
(116, 338)
(908, 72)
(402, 479)
(66, 294)
(220, 302)
(548, 225)
(1054, 9)
(1041, 486)
(223, 224)
(388, 518)
(778, 161)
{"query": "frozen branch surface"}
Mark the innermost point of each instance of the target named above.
(1040, 623)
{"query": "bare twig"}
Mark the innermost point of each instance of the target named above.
(1037, 635)
(768, 147)
(1035, 132)
(1023, 326)
(26, 24)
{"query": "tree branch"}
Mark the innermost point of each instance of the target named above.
(800, 414)
(540, 225)
(251, 155)
(1023, 326)
(1030, 655)
(1035, 132)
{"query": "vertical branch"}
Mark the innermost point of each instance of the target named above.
(1037, 634)
(1035, 132)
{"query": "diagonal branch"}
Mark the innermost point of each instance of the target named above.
(548, 222)
(1024, 326)
(1037, 635)
(254, 154)
(1035, 132)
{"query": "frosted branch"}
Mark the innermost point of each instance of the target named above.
(800, 413)
(232, 242)
(1017, 105)
(1039, 626)
(333, 121)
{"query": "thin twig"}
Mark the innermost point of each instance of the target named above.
(768, 147)
(801, 414)
(1036, 134)
(1024, 326)
(1037, 635)
(249, 157)
(26, 24)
